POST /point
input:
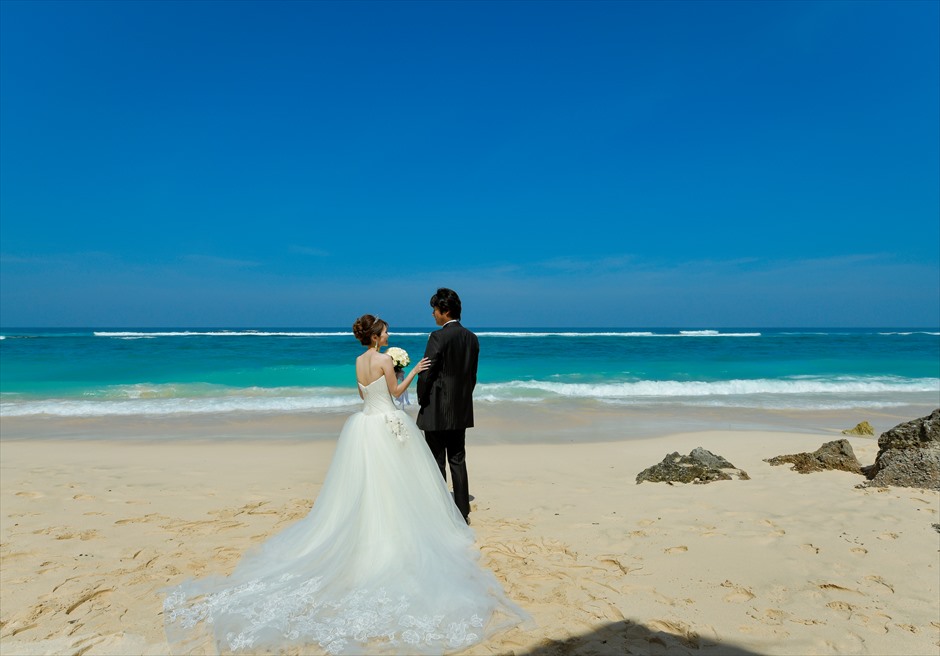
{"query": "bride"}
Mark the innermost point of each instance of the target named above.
(383, 563)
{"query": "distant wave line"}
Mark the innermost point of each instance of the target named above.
(219, 333)
(912, 332)
(128, 334)
(485, 333)
(482, 333)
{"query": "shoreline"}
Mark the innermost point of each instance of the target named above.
(91, 530)
(558, 422)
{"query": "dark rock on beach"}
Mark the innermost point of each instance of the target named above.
(863, 428)
(700, 466)
(831, 455)
(908, 455)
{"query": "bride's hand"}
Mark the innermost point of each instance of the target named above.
(424, 364)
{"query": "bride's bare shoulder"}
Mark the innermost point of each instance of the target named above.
(372, 358)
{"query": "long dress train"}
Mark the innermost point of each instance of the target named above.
(383, 563)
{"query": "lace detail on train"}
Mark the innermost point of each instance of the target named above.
(358, 618)
(383, 562)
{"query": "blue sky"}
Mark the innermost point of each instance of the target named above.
(687, 164)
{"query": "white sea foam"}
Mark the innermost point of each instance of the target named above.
(913, 332)
(186, 399)
(805, 392)
(179, 406)
(796, 393)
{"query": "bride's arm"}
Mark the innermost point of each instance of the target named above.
(395, 388)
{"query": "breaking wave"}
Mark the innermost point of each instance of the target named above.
(804, 392)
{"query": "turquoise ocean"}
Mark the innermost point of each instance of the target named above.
(160, 372)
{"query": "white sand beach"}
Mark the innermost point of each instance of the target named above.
(92, 530)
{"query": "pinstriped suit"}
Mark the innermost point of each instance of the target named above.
(445, 397)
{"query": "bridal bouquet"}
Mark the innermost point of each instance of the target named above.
(399, 357)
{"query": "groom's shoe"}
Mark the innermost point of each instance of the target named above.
(466, 518)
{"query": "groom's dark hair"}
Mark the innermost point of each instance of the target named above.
(447, 302)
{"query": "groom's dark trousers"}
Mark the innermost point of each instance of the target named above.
(448, 448)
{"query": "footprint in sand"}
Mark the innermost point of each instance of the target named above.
(738, 593)
(887, 535)
(675, 550)
(89, 534)
(89, 596)
(83, 497)
(811, 548)
(685, 633)
(84, 645)
(226, 554)
(861, 551)
(603, 610)
(614, 561)
(133, 520)
(807, 621)
(30, 495)
(772, 616)
(776, 614)
(880, 581)
(838, 588)
(777, 532)
(49, 566)
(842, 606)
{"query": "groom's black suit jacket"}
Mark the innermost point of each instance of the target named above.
(445, 390)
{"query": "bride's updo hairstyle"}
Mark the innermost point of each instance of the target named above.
(366, 327)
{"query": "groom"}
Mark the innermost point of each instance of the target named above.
(445, 392)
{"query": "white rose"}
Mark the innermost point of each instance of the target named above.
(399, 356)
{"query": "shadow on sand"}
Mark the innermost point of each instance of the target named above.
(626, 637)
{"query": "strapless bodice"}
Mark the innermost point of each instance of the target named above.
(376, 399)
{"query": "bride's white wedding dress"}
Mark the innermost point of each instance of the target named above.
(383, 563)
